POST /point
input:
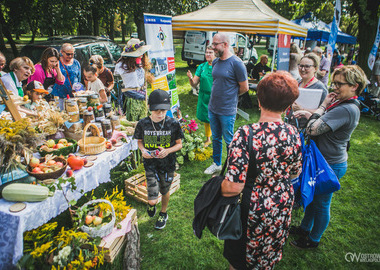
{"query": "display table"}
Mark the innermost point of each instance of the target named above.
(13, 225)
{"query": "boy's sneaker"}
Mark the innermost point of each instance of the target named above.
(213, 169)
(304, 243)
(161, 221)
(151, 210)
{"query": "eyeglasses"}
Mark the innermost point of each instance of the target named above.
(306, 67)
(214, 44)
(337, 85)
(69, 54)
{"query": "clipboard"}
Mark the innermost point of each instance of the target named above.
(309, 98)
(12, 108)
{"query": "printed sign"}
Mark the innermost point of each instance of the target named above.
(283, 53)
(159, 34)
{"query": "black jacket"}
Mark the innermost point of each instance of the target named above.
(208, 203)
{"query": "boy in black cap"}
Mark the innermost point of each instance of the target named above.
(159, 137)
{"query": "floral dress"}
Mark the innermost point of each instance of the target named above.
(277, 149)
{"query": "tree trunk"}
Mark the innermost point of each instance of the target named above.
(123, 27)
(3, 48)
(95, 20)
(8, 35)
(139, 21)
(367, 19)
(132, 250)
(111, 26)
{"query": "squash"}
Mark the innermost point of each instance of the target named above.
(25, 193)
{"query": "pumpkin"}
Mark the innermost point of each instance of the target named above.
(75, 163)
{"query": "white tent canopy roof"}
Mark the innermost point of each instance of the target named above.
(247, 16)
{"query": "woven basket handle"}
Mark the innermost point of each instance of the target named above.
(85, 131)
(101, 201)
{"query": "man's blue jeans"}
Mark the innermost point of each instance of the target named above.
(221, 125)
(317, 214)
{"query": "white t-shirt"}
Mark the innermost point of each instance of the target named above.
(10, 85)
(95, 86)
(130, 79)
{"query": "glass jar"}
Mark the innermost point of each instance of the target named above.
(107, 128)
(88, 117)
(82, 105)
(99, 126)
(94, 99)
(73, 111)
(107, 109)
(115, 123)
(99, 115)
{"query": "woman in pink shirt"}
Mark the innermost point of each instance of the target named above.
(47, 70)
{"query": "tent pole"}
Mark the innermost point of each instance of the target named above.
(274, 50)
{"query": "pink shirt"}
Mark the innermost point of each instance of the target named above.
(39, 75)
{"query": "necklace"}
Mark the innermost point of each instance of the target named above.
(161, 125)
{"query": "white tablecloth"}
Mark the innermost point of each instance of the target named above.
(13, 225)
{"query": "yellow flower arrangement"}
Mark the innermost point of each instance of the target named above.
(119, 204)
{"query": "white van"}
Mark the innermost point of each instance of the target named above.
(196, 42)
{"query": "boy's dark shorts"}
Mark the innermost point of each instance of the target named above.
(158, 182)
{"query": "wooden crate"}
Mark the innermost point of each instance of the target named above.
(115, 246)
(134, 187)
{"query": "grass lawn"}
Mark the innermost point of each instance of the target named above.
(354, 213)
(354, 219)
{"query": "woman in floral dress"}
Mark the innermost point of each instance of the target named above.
(267, 190)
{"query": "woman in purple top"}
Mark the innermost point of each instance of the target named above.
(47, 70)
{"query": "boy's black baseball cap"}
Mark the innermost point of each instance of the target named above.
(159, 100)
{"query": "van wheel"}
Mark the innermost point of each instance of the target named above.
(191, 63)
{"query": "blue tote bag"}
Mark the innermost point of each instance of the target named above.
(307, 177)
(326, 179)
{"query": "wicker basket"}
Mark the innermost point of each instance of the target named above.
(92, 145)
(105, 229)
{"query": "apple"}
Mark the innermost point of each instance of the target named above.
(44, 148)
(113, 141)
(89, 109)
(55, 146)
(51, 162)
(97, 220)
(60, 145)
(59, 164)
(108, 145)
(63, 141)
(50, 143)
(69, 173)
(69, 144)
(34, 162)
(37, 170)
(48, 171)
(89, 219)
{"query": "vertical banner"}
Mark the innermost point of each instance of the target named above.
(334, 30)
(375, 47)
(159, 34)
(283, 54)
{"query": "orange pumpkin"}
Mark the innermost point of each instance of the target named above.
(75, 163)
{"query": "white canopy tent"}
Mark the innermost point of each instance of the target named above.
(246, 16)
